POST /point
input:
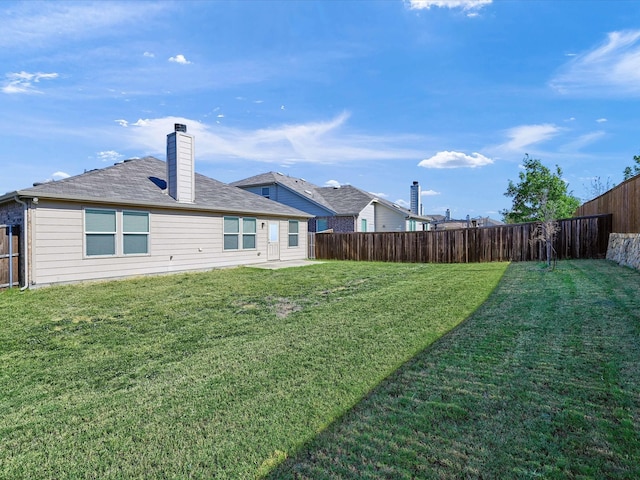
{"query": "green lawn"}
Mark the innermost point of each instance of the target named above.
(543, 381)
(220, 374)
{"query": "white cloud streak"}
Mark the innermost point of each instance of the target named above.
(429, 193)
(23, 82)
(466, 5)
(609, 70)
(526, 135)
(447, 159)
(325, 142)
(33, 24)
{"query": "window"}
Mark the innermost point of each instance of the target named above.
(293, 233)
(248, 233)
(100, 232)
(232, 233)
(322, 224)
(412, 225)
(265, 192)
(135, 233)
(363, 225)
(101, 229)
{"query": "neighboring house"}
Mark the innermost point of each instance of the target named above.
(341, 209)
(147, 216)
(445, 222)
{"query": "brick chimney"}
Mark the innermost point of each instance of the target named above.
(180, 165)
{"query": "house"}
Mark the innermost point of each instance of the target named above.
(445, 222)
(146, 216)
(341, 209)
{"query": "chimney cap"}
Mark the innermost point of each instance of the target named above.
(180, 127)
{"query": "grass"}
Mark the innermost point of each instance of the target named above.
(543, 381)
(222, 374)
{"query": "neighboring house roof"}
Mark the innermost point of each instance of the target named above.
(142, 182)
(299, 186)
(343, 200)
(346, 200)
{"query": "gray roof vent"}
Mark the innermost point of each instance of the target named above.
(180, 127)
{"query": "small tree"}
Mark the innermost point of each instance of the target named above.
(634, 170)
(538, 182)
(545, 231)
(597, 187)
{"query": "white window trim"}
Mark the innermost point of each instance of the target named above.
(118, 234)
(240, 234)
(297, 234)
(147, 233)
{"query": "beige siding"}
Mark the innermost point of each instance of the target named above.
(178, 241)
(293, 253)
(368, 214)
(388, 220)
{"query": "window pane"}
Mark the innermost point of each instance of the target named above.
(293, 226)
(100, 220)
(248, 241)
(101, 244)
(231, 242)
(321, 224)
(231, 225)
(249, 225)
(135, 244)
(273, 232)
(135, 222)
(293, 240)
(265, 192)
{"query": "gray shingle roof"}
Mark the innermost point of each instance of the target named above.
(345, 200)
(143, 182)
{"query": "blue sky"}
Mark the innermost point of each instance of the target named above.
(375, 94)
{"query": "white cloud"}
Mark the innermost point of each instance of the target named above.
(60, 175)
(429, 193)
(149, 54)
(455, 160)
(179, 59)
(379, 195)
(332, 183)
(109, 156)
(525, 135)
(610, 69)
(402, 203)
(122, 123)
(583, 141)
(32, 24)
(466, 5)
(23, 82)
(601, 120)
(326, 142)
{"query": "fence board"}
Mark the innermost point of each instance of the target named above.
(623, 202)
(9, 256)
(585, 237)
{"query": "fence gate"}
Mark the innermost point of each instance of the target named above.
(9, 256)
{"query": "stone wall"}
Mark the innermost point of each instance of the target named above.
(624, 248)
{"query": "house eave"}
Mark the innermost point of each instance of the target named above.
(138, 203)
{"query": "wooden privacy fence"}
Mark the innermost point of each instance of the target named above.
(9, 256)
(622, 201)
(584, 237)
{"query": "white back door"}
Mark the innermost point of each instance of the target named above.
(273, 245)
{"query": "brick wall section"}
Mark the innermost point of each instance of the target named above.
(341, 224)
(624, 249)
(11, 214)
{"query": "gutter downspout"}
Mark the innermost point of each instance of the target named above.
(25, 231)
